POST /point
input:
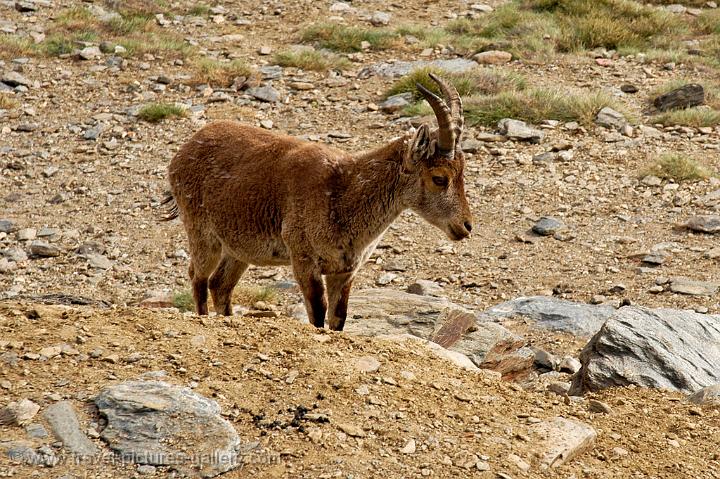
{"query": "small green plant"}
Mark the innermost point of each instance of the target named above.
(709, 21)
(311, 60)
(428, 37)
(341, 38)
(156, 112)
(199, 10)
(184, 301)
(677, 167)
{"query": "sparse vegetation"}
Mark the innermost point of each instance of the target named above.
(14, 45)
(133, 28)
(479, 81)
(537, 105)
(311, 60)
(428, 37)
(695, 117)
(709, 21)
(156, 112)
(341, 38)
(183, 301)
(677, 167)
(249, 295)
(215, 72)
(199, 10)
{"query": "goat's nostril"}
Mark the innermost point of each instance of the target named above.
(468, 226)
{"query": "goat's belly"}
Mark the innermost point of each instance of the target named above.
(256, 250)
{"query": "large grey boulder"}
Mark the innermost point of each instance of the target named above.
(388, 312)
(555, 314)
(661, 348)
(153, 422)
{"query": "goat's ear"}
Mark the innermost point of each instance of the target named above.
(422, 147)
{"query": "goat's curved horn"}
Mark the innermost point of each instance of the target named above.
(453, 98)
(446, 132)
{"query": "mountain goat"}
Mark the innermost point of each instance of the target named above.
(250, 196)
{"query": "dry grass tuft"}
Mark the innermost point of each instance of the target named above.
(215, 72)
(311, 60)
(333, 36)
(479, 81)
(8, 102)
(696, 117)
(677, 167)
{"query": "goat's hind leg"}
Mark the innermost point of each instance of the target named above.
(223, 281)
(204, 257)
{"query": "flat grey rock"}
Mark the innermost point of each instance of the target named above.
(519, 130)
(264, 93)
(705, 224)
(66, 428)
(693, 288)
(660, 348)
(402, 68)
(159, 424)
(707, 396)
(556, 314)
(610, 118)
(547, 226)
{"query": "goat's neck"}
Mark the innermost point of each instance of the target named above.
(374, 192)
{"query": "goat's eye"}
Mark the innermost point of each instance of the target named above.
(440, 180)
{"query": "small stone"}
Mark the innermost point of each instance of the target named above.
(36, 431)
(7, 226)
(569, 365)
(26, 234)
(380, 18)
(352, 430)
(409, 447)
(267, 124)
(264, 93)
(146, 469)
(651, 180)
(656, 289)
(65, 426)
(265, 50)
(519, 130)
(628, 88)
(547, 226)
(15, 79)
(561, 389)
(424, 287)
(707, 396)
(519, 462)
(386, 278)
(610, 118)
(599, 407)
(18, 413)
(704, 224)
(90, 53)
(44, 249)
(395, 103)
(563, 440)
(98, 261)
(693, 288)
(492, 57)
(367, 364)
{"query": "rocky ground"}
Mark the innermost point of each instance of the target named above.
(81, 182)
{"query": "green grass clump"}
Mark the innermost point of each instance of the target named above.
(333, 36)
(677, 167)
(134, 29)
(537, 105)
(156, 112)
(479, 81)
(311, 60)
(199, 10)
(695, 117)
(184, 301)
(429, 37)
(215, 72)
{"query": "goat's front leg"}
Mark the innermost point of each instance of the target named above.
(308, 276)
(338, 286)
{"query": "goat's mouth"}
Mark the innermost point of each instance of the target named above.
(457, 233)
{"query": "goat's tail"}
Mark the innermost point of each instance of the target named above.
(171, 205)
